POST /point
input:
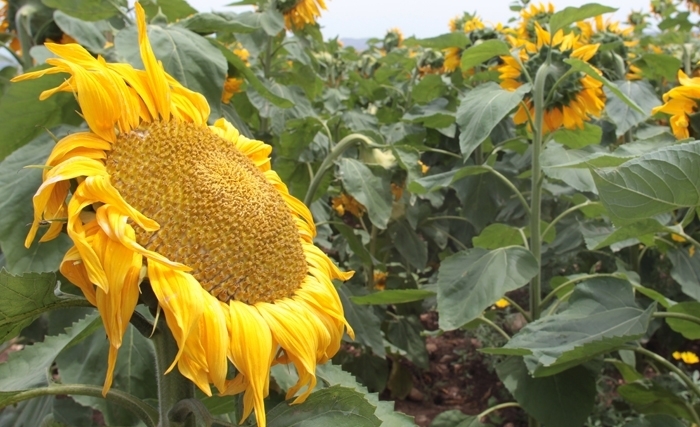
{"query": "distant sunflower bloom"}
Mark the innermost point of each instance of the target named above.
(688, 357)
(300, 13)
(613, 62)
(680, 102)
(227, 250)
(346, 203)
(576, 98)
(693, 5)
(535, 14)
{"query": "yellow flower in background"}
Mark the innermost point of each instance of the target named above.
(693, 5)
(688, 357)
(678, 238)
(227, 250)
(232, 86)
(423, 167)
(577, 98)
(380, 280)
(347, 203)
(613, 62)
(680, 102)
(300, 13)
(502, 303)
(536, 14)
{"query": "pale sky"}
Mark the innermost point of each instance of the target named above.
(422, 18)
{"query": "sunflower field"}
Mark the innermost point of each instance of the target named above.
(219, 219)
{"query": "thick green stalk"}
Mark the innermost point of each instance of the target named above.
(536, 193)
(172, 387)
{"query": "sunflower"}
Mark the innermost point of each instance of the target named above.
(300, 13)
(346, 203)
(227, 250)
(613, 61)
(477, 32)
(693, 5)
(680, 102)
(392, 40)
(576, 98)
(535, 14)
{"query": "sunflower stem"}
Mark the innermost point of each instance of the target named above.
(172, 387)
(22, 19)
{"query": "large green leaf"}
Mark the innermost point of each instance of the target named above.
(686, 271)
(87, 10)
(561, 400)
(690, 329)
(173, 9)
(434, 115)
(373, 191)
(635, 230)
(17, 186)
(86, 363)
(24, 298)
(483, 51)
(405, 333)
(206, 23)
(24, 117)
(624, 117)
(656, 182)
(648, 396)
(571, 14)
(392, 296)
(471, 281)
(579, 138)
(186, 56)
(364, 322)
(89, 34)
(554, 160)
(29, 368)
(602, 315)
(454, 39)
(409, 244)
(481, 110)
(429, 88)
(336, 405)
(656, 66)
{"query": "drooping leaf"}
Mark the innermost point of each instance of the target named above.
(373, 191)
(656, 182)
(409, 244)
(17, 186)
(571, 14)
(24, 298)
(628, 231)
(24, 117)
(187, 56)
(481, 52)
(688, 328)
(553, 159)
(561, 400)
(686, 271)
(392, 296)
(28, 368)
(651, 397)
(91, 10)
(454, 39)
(405, 334)
(336, 405)
(89, 34)
(471, 281)
(481, 109)
(624, 117)
(364, 322)
(602, 315)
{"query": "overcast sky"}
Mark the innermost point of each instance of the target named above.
(422, 18)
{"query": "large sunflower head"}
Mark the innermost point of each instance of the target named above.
(227, 250)
(477, 32)
(575, 98)
(300, 13)
(613, 60)
(681, 103)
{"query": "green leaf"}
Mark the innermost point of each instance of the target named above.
(404, 333)
(498, 236)
(173, 9)
(367, 188)
(24, 117)
(443, 41)
(433, 115)
(332, 375)
(555, 160)
(393, 296)
(654, 183)
(651, 397)
(629, 231)
(579, 138)
(471, 281)
(578, 65)
(272, 21)
(24, 298)
(562, 400)
(86, 363)
(29, 368)
(481, 110)
(602, 315)
(483, 51)
(336, 405)
(186, 56)
(686, 271)
(689, 329)
(364, 322)
(429, 88)
(655, 66)
(206, 23)
(621, 114)
(251, 78)
(87, 10)
(409, 244)
(456, 418)
(355, 243)
(89, 34)
(659, 420)
(435, 182)
(17, 186)
(569, 15)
